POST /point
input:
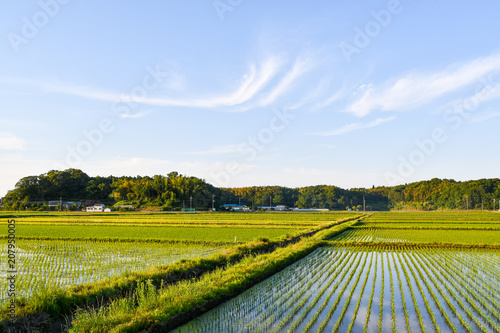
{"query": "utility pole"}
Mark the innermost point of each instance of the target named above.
(467, 197)
(60, 203)
(183, 205)
(270, 202)
(191, 203)
(482, 205)
(213, 202)
(494, 203)
(364, 204)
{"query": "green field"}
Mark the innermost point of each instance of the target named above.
(165, 233)
(216, 219)
(357, 289)
(382, 272)
(475, 236)
(46, 264)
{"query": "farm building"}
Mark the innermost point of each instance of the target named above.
(279, 208)
(95, 208)
(236, 208)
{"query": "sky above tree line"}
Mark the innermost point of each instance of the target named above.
(244, 93)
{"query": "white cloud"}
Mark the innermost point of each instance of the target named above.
(261, 85)
(252, 83)
(418, 88)
(10, 142)
(484, 116)
(355, 127)
(300, 67)
(134, 115)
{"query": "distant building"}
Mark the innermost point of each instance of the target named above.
(280, 208)
(95, 208)
(236, 208)
(108, 210)
(310, 210)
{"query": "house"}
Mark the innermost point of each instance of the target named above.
(310, 210)
(95, 208)
(280, 208)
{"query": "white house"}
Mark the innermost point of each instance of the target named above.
(96, 208)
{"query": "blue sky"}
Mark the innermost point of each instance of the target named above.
(241, 92)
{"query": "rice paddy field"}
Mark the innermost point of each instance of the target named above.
(69, 249)
(378, 272)
(361, 289)
(367, 280)
(192, 234)
(44, 264)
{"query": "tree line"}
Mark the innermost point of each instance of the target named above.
(176, 192)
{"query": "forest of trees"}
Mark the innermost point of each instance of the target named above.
(175, 191)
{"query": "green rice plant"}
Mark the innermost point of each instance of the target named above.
(434, 297)
(365, 327)
(407, 319)
(355, 312)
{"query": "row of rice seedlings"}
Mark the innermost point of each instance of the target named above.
(447, 280)
(403, 260)
(425, 279)
(268, 318)
(483, 267)
(63, 263)
(468, 279)
(400, 235)
(393, 308)
(317, 293)
(487, 300)
(445, 293)
(355, 312)
(333, 289)
(471, 307)
(369, 307)
(300, 318)
(300, 305)
(407, 318)
(268, 297)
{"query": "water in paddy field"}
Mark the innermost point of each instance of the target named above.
(43, 264)
(324, 292)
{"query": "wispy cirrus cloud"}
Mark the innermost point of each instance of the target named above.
(261, 85)
(484, 116)
(300, 67)
(419, 88)
(355, 127)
